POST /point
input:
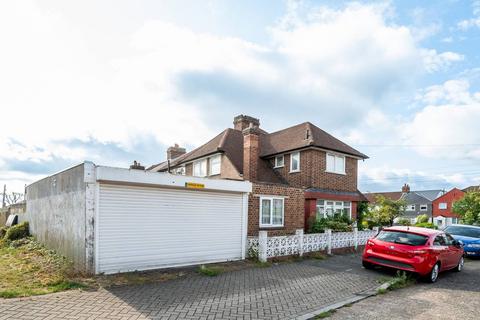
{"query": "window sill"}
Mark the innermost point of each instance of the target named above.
(277, 167)
(296, 171)
(271, 227)
(341, 173)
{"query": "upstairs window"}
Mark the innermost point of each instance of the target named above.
(200, 168)
(423, 207)
(442, 206)
(279, 161)
(410, 207)
(335, 163)
(179, 170)
(215, 163)
(295, 162)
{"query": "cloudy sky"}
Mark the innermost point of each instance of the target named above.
(117, 81)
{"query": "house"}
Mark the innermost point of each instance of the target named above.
(417, 202)
(298, 173)
(472, 189)
(443, 214)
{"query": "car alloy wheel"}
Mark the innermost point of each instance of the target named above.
(461, 264)
(434, 273)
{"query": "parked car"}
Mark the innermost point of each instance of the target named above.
(469, 235)
(426, 252)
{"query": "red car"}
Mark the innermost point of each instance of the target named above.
(426, 252)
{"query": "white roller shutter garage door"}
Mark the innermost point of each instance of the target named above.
(140, 228)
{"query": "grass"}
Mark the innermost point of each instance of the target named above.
(382, 291)
(27, 269)
(401, 280)
(325, 314)
(210, 271)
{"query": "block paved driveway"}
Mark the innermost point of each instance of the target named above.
(282, 291)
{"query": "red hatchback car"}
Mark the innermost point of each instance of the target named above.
(424, 251)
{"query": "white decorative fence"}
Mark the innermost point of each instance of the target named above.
(298, 244)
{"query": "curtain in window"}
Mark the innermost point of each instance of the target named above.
(265, 211)
(277, 212)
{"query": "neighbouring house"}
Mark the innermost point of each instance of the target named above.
(443, 214)
(16, 208)
(417, 202)
(298, 173)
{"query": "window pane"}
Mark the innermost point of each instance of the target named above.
(340, 164)
(320, 202)
(279, 161)
(330, 163)
(346, 204)
(294, 158)
(215, 165)
(266, 211)
(277, 218)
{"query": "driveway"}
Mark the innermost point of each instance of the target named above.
(282, 291)
(453, 296)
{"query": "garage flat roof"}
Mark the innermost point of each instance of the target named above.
(141, 177)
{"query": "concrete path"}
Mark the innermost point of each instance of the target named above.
(453, 296)
(283, 291)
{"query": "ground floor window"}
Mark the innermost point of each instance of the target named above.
(271, 212)
(331, 208)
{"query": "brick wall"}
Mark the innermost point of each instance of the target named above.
(312, 173)
(293, 210)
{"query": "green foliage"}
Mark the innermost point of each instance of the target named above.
(384, 211)
(3, 231)
(325, 314)
(423, 218)
(362, 211)
(252, 253)
(469, 208)
(403, 222)
(426, 225)
(401, 280)
(210, 271)
(337, 223)
(18, 231)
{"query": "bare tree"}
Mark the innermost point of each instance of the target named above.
(10, 198)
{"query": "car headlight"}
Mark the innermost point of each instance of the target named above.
(473, 245)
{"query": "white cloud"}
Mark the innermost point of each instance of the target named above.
(472, 22)
(434, 61)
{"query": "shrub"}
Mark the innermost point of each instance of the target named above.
(337, 223)
(423, 218)
(17, 231)
(426, 225)
(403, 222)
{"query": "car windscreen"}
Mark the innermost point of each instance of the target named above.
(400, 237)
(463, 231)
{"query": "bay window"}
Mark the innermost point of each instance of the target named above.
(330, 208)
(271, 212)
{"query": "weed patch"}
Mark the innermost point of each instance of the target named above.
(210, 271)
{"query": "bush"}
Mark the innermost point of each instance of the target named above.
(337, 223)
(426, 225)
(403, 222)
(17, 231)
(423, 218)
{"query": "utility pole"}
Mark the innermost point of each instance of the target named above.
(4, 195)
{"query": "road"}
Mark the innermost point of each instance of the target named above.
(453, 296)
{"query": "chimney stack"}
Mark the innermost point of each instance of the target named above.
(175, 151)
(137, 166)
(242, 122)
(251, 151)
(406, 188)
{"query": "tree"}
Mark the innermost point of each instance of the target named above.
(362, 211)
(468, 208)
(385, 210)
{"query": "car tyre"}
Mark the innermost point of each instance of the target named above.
(367, 265)
(460, 265)
(433, 275)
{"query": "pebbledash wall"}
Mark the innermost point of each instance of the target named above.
(266, 247)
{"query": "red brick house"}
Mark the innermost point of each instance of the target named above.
(298, 173)
(442, 208)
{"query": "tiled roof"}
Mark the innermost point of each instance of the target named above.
(371, 196)
(301, 136)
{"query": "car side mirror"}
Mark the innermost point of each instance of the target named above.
(458, 243)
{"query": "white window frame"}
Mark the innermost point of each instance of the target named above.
(424, 207)
(276, 161)
(179, 170)
(335, 157)
(202, 164)
(441, 207)
(334, 205)
(410, 207)
(291, 161)
(211, 163)
(271, 225)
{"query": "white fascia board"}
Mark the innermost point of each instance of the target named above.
(163, 179)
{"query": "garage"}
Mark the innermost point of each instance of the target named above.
(147, 227)
(110, 220)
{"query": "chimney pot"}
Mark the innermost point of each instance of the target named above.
(406, 188)
(175, 151)
(241, 122)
